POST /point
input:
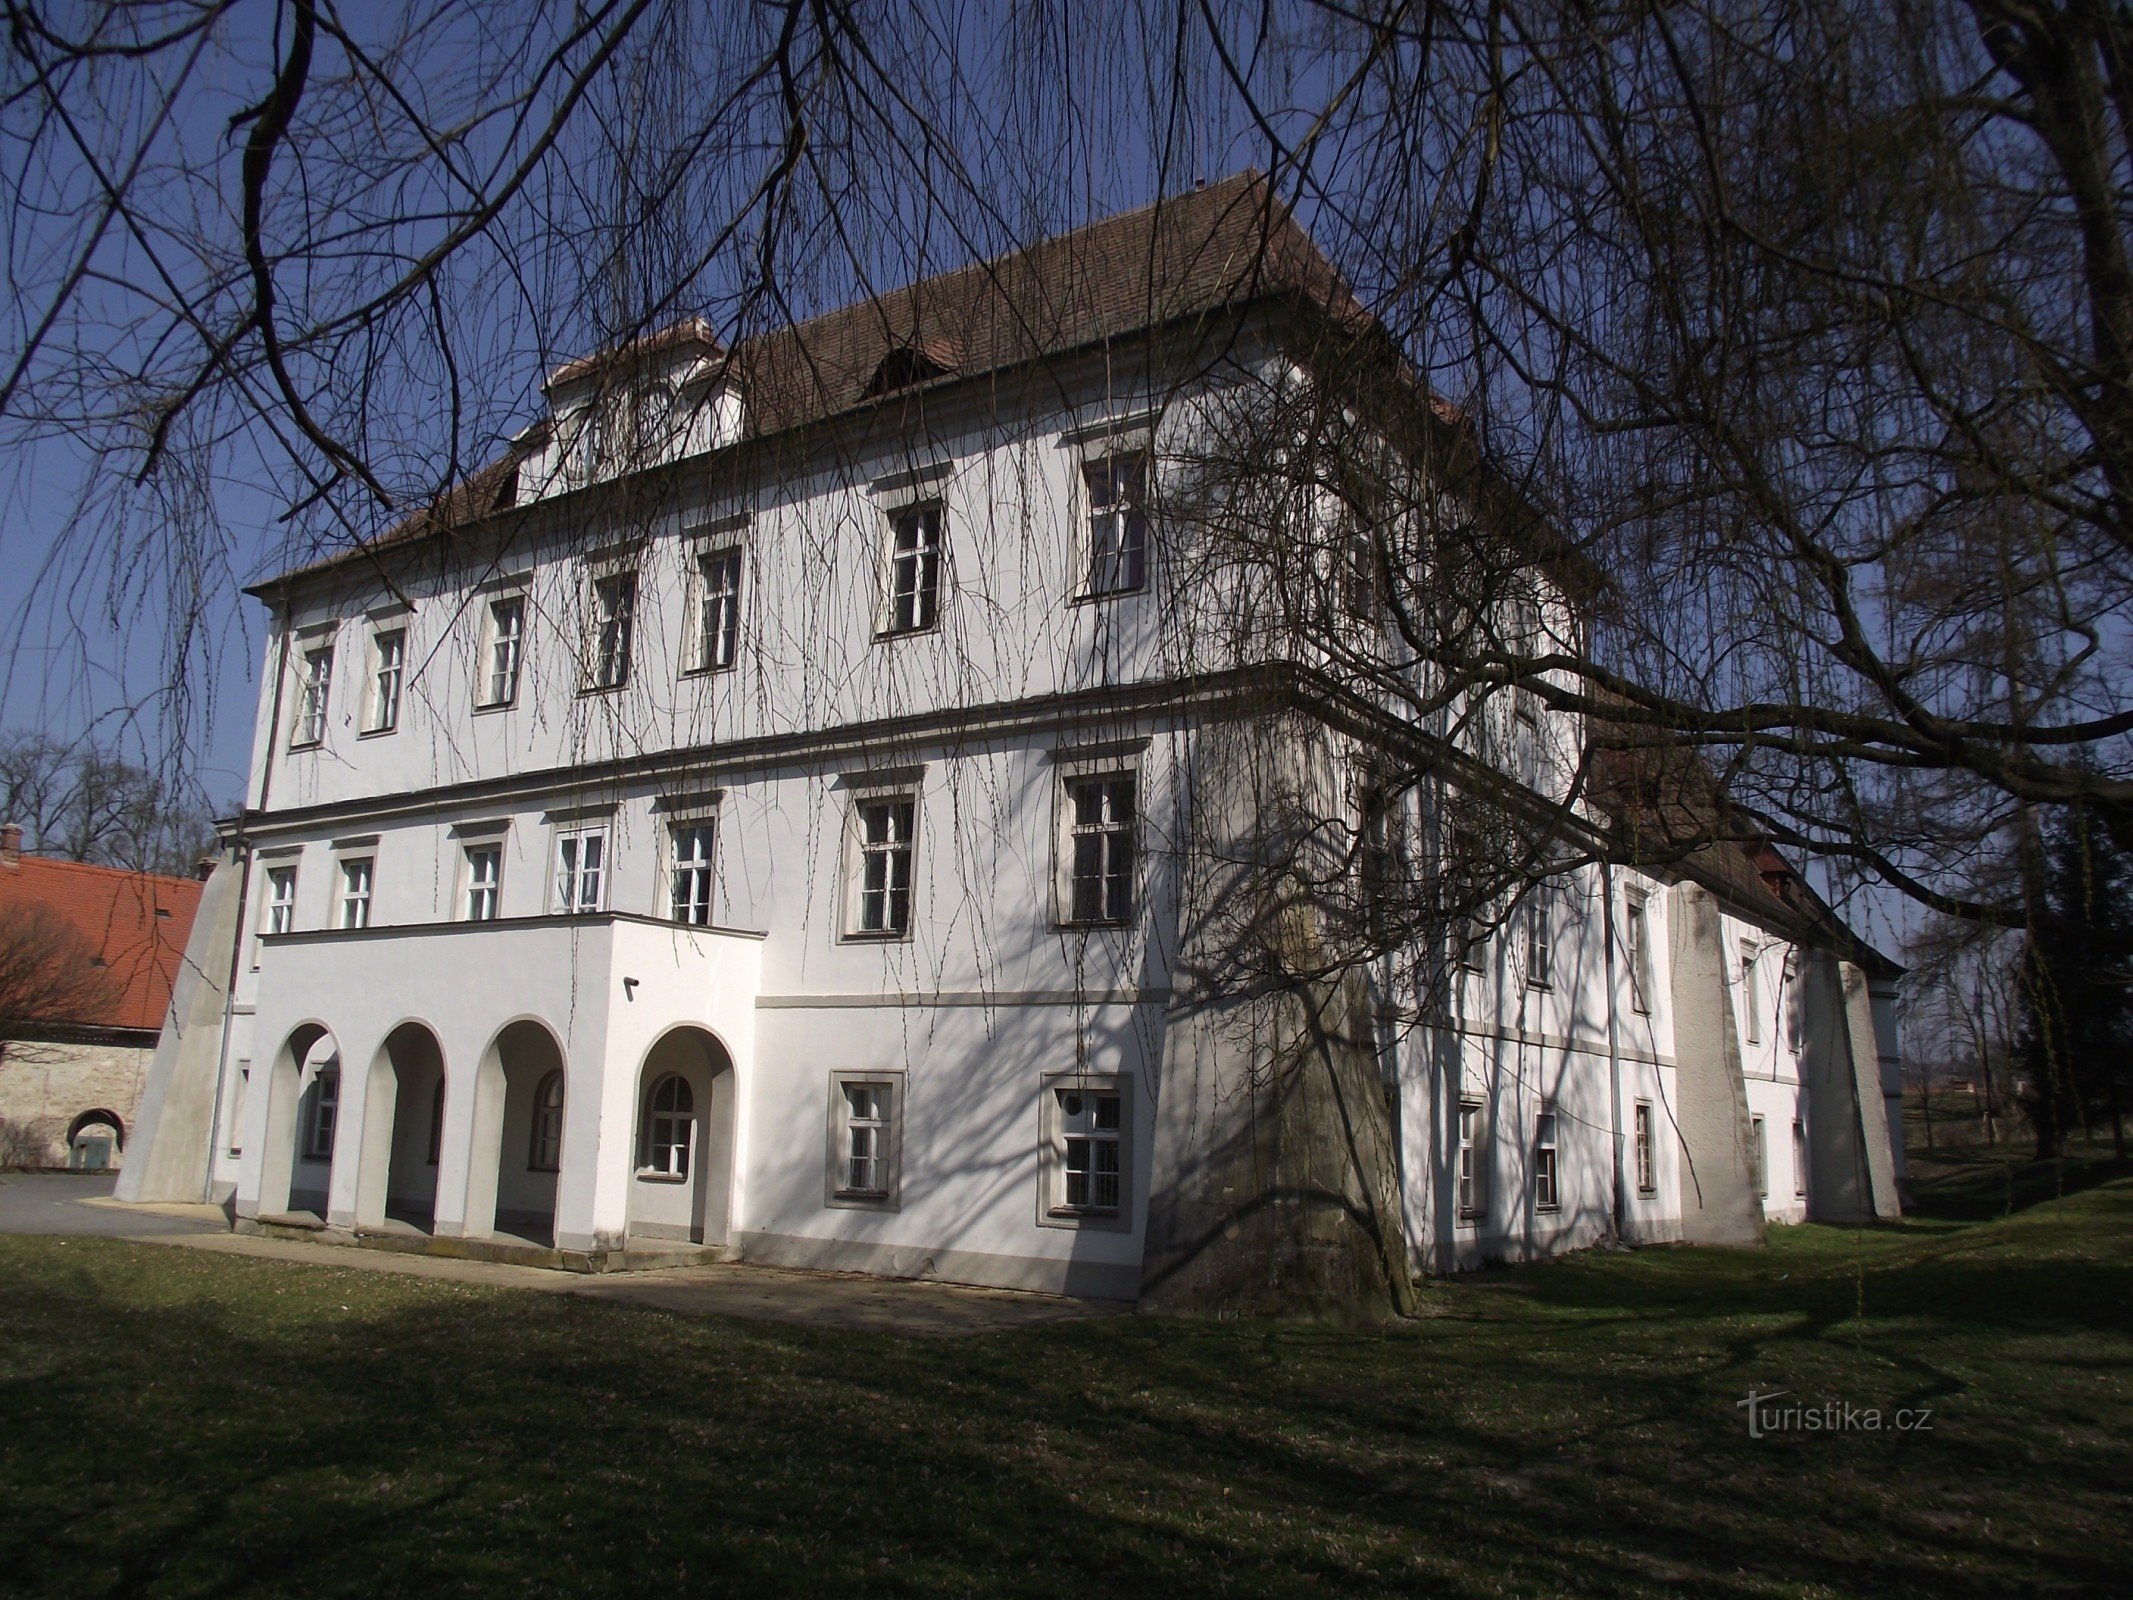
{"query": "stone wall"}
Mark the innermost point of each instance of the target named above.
(44, 1086)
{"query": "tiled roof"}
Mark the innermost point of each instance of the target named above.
(136, 923)
(1215, 249)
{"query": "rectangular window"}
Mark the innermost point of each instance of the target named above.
(1458, 872)
(485, 881)
(1750, 1006)
(914, 569)
(355, 892)
(866, 1141)
(388, 653)
(1090, 1122)
(614, 621)
(325, 1112)
(1525, 746)
(1793, 1022)
(1761, 1156)
(1469, 1158)
(278, 915)
(1643, 1126)
(238, 1096)
(886, 828)
(1799, 1159)
(580, 870)
(718, 609)
(1100, 844)
(1118, 524)
(1359, 577)
(1546, 1196)
(313, 689)
(506, 649)
(1540, 935)
(689, 893)
(1637, 923)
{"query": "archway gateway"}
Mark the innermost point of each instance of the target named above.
(403, 1113)
(520, 1089)
(681, 1179)
(302, 1118)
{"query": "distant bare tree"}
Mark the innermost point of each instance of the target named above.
(82, 803)
(48, 976)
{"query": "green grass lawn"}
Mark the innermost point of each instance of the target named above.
(177, 1423)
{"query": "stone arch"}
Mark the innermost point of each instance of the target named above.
(695, 1204)
(290, 1178)
(397, 1181)
(92, 1153)
(507, 1192)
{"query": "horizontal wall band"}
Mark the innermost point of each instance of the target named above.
(963, 997)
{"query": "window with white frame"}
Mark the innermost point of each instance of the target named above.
(718, 609)
(1751, 1009)
(325, 1113)
(580, 869)
(544, 1141)
(355, 891)
(669, 1128)
(1118, 523)
(914, 572)
(278, 914)
(1101, 823)
(1547, 1196)
(1642, 1126)
(884, 851)
(1087, 1118)
(388, 661)
(612, 630)
(865, 1153)
(1540, 934)
(1761, 1156)
(689, 881)
(1637, 928)
(485, 881)
(1469, 1175)
(1799, 1158)
(503, 650)
(1794, 1020)
(313, 689)
(1467, 934)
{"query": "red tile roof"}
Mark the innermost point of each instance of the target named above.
(135, 922)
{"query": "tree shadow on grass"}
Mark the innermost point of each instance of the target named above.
(251, 1428)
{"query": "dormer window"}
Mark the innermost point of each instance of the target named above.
(909, 364)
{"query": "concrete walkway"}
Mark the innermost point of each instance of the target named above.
(845, 1301)
(79, 1205)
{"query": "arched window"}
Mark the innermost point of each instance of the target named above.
(546, 1153)
(437, 1121)
(669, 1127)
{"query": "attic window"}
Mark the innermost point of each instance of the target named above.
(908, 364)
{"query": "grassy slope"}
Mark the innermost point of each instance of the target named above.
(181, 1424)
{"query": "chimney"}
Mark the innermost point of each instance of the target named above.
(204, 868)
(10, 844)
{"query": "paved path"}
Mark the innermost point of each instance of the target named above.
(80, 1205)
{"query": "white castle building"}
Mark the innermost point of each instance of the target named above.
(769, 812)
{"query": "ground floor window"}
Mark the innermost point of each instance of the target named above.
(1086, 1137)
(865, 1146)
(325, 1111)
(669, 1127)
(545, 1149)
(1762, 1162)
(1799, 1159)
(1469, 1158)
(1643, 1124)
(1546, 1195)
